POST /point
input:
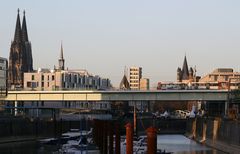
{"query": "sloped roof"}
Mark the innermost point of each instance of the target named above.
(124, 84)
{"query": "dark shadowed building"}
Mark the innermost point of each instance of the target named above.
(20, 57)
(186, 75)
(124, 84)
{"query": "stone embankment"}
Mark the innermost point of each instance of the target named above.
(221, 134)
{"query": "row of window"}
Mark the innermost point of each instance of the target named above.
(134, 73)
(134, 81)
(52, 77)
(134, 77)
(135, 69)
(2, 61)
(35, 84)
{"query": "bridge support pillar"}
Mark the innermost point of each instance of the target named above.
(215, 129)
(151, 106)
(204, 132)
(15, 107)
(194, 128)
(226, 108)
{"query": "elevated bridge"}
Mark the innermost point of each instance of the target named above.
(160, 95)
(217, 99)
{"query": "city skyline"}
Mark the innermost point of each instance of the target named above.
(106, 36)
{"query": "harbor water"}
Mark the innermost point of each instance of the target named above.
(177, 144)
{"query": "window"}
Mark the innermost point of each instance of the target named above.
(42, 77)
(75, 78)
(42, 84)
(33, 77)
(48, 77)
(226, 78)
(53, 77)
(29, 84)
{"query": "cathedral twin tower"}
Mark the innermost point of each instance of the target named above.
(20, 58)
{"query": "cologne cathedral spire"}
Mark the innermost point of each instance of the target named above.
(18, 31)
(20, 57)
(27, 44)
(24, 28)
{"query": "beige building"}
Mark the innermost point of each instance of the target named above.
(135, 74)
(45, 79)
(221, 78)
(221, 75)
(144, 84)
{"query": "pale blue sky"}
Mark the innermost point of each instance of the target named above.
(103, 36)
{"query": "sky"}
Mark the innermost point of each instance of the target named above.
(104, 36)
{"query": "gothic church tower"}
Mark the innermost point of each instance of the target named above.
(20, 57)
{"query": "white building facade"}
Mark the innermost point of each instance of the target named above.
(45, 79)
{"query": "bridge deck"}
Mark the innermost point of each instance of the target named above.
(162, 95)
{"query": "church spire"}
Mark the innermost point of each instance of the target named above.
(61, 59)
(18, 34)
(24, 28)
(20, 57)
(61, 54)
(185, 71)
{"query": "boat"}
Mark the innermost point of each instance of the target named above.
(83, 145)
(73, 134)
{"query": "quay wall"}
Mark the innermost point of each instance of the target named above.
(20, 127)
(222, 134)
(23, 127)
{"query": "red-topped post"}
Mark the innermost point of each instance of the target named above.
(151, 140)
(129, 138)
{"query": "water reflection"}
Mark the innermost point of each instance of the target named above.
(179, 144)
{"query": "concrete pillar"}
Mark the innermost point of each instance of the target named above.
(194, 128)
(15, 107)
(117, 138)
(215, 129)
(226, 108)
(151, 140)
(151, 106)
(204, 133)
(129, 138)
